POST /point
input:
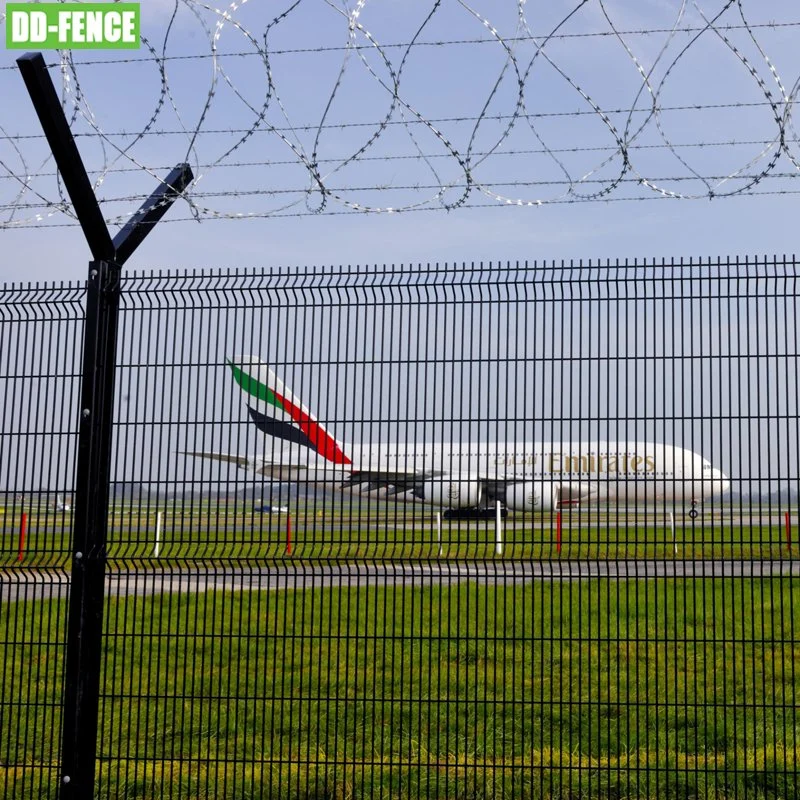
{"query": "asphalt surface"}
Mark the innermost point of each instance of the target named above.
(24, 584)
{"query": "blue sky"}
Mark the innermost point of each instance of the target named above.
(554, 124)
(456, 96)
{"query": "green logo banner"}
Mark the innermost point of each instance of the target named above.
(72, 26)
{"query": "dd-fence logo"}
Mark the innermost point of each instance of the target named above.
(72, 26)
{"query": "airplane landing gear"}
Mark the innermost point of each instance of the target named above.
(693, 512)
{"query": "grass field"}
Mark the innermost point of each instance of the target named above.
(211, 532)
(603, 689)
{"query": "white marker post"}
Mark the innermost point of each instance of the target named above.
(672, 528)
(158, 533)
(498, 530)
(439, 530)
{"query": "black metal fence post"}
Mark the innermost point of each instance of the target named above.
(82, 673)
(85, 626)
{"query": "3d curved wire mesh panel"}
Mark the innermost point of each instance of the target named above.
(507, 530)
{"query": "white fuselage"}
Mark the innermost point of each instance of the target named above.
(580, 471)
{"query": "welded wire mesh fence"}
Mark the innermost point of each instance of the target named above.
(40, 333)
(489, 531)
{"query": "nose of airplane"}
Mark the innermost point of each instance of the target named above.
(721, 482)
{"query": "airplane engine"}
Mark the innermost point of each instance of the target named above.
(450, 494)
(529, 497)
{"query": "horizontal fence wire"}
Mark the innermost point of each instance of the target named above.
(491, 530)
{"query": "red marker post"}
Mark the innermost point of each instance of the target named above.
(22, 527)
(558, 532)
(288, 534)
(788, 533)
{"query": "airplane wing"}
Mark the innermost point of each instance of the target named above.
(240, 461)
(281, 471)
(404, 481)
(393, 482)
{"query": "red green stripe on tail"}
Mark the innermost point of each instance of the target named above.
(317, 438)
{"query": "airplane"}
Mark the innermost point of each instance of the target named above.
(521, 476)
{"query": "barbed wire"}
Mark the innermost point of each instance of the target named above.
(308, 126)
(285, 191)
(437, 43)
(519, 117)
(469, 207)
(433, 156)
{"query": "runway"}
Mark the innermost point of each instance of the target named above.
(25, 584)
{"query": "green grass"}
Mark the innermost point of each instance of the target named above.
(210, 532)
(630, 689)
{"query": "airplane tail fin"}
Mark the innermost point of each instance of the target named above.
(276, 412)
